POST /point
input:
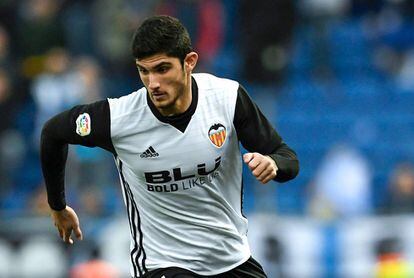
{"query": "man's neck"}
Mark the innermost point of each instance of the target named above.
(182, 104)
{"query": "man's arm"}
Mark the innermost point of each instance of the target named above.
(269, 157)
(87, 125)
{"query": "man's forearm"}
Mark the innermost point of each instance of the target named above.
(287, 163)
(53, 155)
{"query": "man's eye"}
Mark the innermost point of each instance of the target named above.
(163, 69)
(143, 71)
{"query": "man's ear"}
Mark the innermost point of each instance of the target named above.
(190, 61)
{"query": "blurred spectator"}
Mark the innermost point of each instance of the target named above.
(267, 29)
(92, 201)
(38, 203)
(8, 60)
(405, 75)
(208, 35)
(394, 33)
(7, 107)
(274, 255)
(5, 55)
(342, 185)
(78, 20)
(94, 268)
(54, 90)
(390, 260)
(319, 16)
(210, 32)
(88, 72)
(10, 157)
(114, 24)
(39, 29)
(8, 10)
(401, 189)
(113, 20)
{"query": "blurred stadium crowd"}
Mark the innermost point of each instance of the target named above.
(336, 77)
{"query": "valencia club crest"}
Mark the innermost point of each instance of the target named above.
(217, 134)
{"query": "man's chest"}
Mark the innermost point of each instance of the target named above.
(160, 153)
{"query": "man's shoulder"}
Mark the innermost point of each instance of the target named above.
(131, 97)
(131, 101)
(209, 81)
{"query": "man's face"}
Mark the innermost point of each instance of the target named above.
(167, 81)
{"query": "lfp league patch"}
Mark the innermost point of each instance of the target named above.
(83, 124)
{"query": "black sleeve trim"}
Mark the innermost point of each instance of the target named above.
(60, 131)
(256, 134)
(287, 162)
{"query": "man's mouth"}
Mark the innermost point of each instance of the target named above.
(158, 96)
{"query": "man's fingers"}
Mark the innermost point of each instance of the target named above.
(260, 166)
(67, 222)
(78, 233)
(247, 157)
(252, 160)
(267, 171)
(67, 234)
(60, 232)
(259, 169)
(266, 176)
(267, 179)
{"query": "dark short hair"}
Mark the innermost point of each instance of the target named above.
(161, 34)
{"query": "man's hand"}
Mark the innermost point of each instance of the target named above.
(67, 221)
(263, 167)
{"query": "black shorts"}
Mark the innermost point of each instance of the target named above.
(250, 269)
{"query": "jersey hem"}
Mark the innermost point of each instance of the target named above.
(223, 270)
(206, 273)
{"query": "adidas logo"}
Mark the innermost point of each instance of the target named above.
(150, 152)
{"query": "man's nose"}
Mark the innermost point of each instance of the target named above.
(153, 82)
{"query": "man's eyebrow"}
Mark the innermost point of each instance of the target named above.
(156, 66)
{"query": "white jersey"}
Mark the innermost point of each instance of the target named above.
(181, 176)
(183, 190)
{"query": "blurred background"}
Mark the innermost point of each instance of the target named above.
(336, 78)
